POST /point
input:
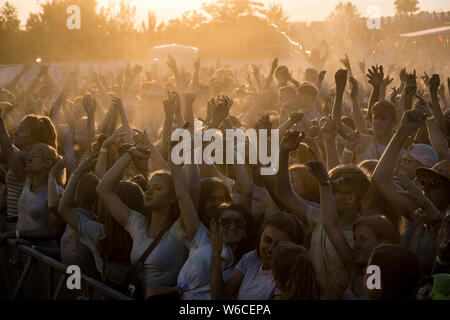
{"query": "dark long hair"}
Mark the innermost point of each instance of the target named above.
(116, 243)
(248, 243)
(208, 185)
(42, 129)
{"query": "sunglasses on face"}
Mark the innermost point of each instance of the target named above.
(227, 222)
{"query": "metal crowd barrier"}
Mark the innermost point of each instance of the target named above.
(27, 274)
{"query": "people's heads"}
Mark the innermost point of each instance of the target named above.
(160, 191)
(288, 96)
(293, 272)
(304, 183)
(399, 272)
(86, 196)
(350, 184)
(213, 192)
(436, 287)
(276, 228)
(307, 94)
(311, 75)
(41, 158)
(370, 231)
(436, 183)
(419, 155)
(35, 129)
(383, 118)
(237, 226)
(282, 74)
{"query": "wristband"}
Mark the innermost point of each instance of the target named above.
(103, 150)
(442, 263)
(17, 234)
(430, 117)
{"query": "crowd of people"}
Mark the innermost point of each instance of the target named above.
(363, 180)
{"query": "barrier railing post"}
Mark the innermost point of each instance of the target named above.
(22, 277)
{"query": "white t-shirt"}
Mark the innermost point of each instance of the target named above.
(162, 266)
(257, 284)
(194, 276)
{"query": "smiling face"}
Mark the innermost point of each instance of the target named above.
(270, 237)
(233, 226)
(382, 124)
(158, 193)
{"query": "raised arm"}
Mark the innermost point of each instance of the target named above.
(329, 132)
(188, 212)
(90, 105)
(375, 75)
(435, 106)
(328, 214)
(66, 209)
(384, 171)
(106, 187)
(269, 79)
(360, 123)
(283, 188)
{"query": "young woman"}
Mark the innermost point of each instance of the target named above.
(368, 232)
(108, 243)
(160, 215)
(37, 219)
(32, 129)
(252, 278)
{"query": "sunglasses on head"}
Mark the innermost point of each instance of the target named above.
(239, 223)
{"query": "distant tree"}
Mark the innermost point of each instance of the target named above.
(344, 12)
(406, 6)
(222, 10)
(275, 14)
(9, 21)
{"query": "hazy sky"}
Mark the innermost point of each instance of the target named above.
(300, 10)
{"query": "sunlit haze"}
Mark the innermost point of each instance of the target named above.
(299, 10)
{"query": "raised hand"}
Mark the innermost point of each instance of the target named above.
(296, 116)
(329, 128)
(394, 94)
(319, 171)
(117, 103)
(57, 168)
(340, 78)
(221, 109)
(376, 76)
(403, 75)
(263, 123)
(387, 81)
(189, 98)
(139, 153)
(434, 83)
(413, 119)
(321, 77)
(171, 63)
(362, 65)
(353, 143)
(137, 69)
(412, 190)
(291, 140)
(346, 62)
(274, 63)
(355, 89)
(86, 164)
(426, 79)
(89, 104)
(411, 85)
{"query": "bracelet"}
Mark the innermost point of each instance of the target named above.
(17, 234)
(442, 263)
(103, 150)
(430, 117)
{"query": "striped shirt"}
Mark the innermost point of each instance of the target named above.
(13, 191)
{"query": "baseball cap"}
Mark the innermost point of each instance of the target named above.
(423, 153)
